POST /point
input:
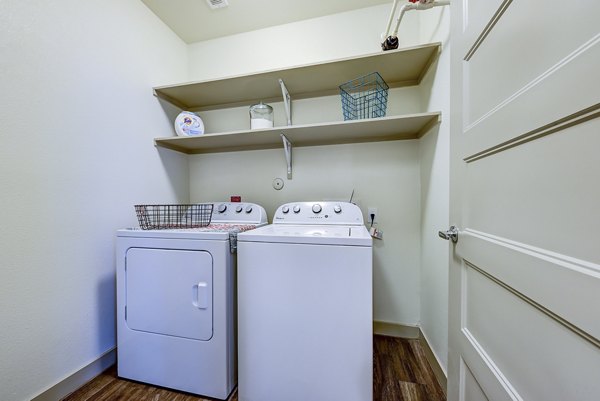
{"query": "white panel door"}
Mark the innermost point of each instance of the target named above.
(525, 273)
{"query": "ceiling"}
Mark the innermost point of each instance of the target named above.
(194, 20)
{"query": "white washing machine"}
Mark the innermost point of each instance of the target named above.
(305, 330)
(176, 302)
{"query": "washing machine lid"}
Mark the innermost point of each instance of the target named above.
(353, 235)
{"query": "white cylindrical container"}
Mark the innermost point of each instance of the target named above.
(261, 116)
(188, 124)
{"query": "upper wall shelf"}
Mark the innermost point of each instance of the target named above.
(392, 128)
(403, 67)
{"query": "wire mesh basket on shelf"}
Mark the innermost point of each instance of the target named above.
(364, 97)
(160, 217)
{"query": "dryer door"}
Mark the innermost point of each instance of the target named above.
(170, 292)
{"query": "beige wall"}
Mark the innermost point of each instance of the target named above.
(434, 154)
(341, 35)
(384, 175)
(77, 119)
(406, 180)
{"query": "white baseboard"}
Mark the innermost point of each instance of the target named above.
(414, 332)
(396, 330)
(436, 366)
(79, 378)
(93, 369)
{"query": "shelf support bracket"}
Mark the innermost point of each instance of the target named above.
(287, 102)
(287, 147)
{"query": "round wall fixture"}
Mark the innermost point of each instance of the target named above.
(278, 183)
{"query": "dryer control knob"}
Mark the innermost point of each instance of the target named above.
(249, 209)
(317, 208)
(296, 208)
(222, 207)
(238, 209)
(285, 209)
(337, 209)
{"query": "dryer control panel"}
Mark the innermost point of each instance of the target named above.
(319, 213)
(238, 213)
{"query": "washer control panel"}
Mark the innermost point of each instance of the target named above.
(318, 213)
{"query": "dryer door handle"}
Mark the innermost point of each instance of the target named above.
(200, 295)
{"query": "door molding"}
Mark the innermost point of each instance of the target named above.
(488, 28)
(524, 267)
(559, 125)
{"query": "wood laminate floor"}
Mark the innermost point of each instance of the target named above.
(401, 373)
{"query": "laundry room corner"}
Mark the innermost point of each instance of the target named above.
(434, 158)
(385, 175)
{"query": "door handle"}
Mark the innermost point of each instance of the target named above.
(200, 295)
(450, 234)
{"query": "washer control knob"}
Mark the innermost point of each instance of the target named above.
(296, 208)
(222, 207)
(249, 209)
(285, 209)
(238, 209)
(317, 208)
(337, 209)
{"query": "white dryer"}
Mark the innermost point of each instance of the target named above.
(176, 302)
(305, 330)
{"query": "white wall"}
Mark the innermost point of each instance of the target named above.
(383, 175)
(327, 38)
(434, 153)
(410, 264)
(77, 119)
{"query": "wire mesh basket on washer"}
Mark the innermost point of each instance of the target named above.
(157, 217)
(364, 97)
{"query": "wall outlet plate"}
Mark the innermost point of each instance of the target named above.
(370, 211)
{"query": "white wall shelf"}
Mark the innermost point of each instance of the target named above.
(402, 67)
(392, 128)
